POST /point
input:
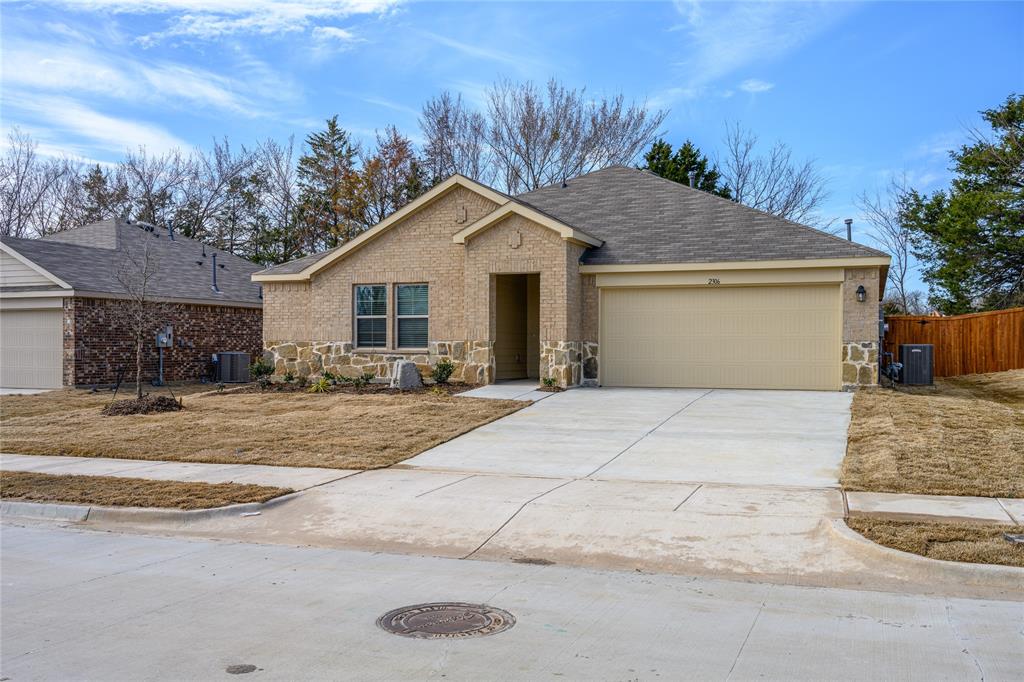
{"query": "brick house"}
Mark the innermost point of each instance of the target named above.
(617, 278)
(61, 306)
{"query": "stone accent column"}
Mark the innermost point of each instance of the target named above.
(590, 363)
(563, 361)
(480, 367)
(860, 364)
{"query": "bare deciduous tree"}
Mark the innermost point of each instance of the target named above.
(210, 200)
(276, 240)
(774, 182)
(882, 211)
(532, 136)
(26, 183)
(155, 184)
(540, 137)
(456, 139)
(140, 315)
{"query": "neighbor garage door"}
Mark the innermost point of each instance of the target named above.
(31, 347)
(721, 337)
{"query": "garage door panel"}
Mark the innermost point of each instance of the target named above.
(743, 337)
(31, 348)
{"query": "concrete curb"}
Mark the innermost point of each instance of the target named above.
(84, 514)
(36, 510)
(981, 575)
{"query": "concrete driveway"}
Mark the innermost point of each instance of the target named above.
(761, 438)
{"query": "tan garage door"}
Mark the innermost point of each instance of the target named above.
(31, 347)
(721, 337)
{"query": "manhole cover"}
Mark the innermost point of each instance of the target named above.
(446, 620)
(240, 669)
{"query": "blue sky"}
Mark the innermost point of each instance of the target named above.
(867, 89)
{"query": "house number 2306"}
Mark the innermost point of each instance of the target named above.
(714, 280)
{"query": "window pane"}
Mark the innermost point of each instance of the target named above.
(371, 300)
(412, 299)
(371, 332)
(412, 332)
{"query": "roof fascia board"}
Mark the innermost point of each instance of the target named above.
(853, 262)
(51, 293)
(24, 260)
(567, 232)
(409, 209)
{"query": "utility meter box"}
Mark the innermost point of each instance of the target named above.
(165, 338)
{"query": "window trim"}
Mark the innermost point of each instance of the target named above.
(412, 317)
(356, 317)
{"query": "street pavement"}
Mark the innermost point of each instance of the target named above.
(86, 605)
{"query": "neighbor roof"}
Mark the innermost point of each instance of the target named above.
(644, 218)
(88, 259)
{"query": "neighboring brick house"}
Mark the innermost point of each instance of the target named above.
(62, 305)
(618, 277)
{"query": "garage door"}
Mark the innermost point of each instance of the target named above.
(31, 348)
(721, 337)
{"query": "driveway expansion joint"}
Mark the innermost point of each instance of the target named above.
(649, 432)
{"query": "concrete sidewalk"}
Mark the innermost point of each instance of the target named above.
(296, 478)
(936, 507)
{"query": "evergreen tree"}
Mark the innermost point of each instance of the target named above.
(332, 201)
(970, 238)
(105, 196)
(678, 165)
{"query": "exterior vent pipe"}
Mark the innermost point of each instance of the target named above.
(214, 285)
(849, 229)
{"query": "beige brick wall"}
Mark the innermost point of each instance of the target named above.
(540, 250)
(420, 249)
(285, 311)
(860, 320)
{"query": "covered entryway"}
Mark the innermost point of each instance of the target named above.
(782, 337)
(517, 326)
(31, 348)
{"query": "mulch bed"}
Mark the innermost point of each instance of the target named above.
(369, 389)
(149, 404)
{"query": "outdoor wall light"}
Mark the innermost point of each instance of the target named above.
(862, 294)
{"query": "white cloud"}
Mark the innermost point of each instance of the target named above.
(63, 117)
(213, 19)
(30, 66)
(477, 51)
(333, 34)
(721, 38)
(753, 85)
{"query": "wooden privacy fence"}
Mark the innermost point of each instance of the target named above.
(964, 344)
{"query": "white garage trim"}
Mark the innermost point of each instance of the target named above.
(782, 336)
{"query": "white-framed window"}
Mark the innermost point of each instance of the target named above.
(412, 315)
(371, 309)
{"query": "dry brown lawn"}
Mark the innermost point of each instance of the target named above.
(112, 491)
(964, 436)
(973, 543)
(336, 430)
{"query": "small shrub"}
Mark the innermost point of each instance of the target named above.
(344, 380)
(263, 383)
(220, 387)
(442, 371)
(329, 377)
(321, 385)
(549, 382)
(301, 381)
(438, 391)
(260, 369)
(363, 380)
(369, 376)
(288, 377)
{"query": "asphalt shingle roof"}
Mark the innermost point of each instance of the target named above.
(643, 218)
(88, 258)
